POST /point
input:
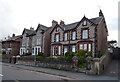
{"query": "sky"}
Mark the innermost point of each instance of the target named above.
(15, 15)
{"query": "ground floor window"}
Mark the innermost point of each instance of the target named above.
(56, 50)
(65, 50)
(22, 51)
(73, 48)
(85, 46)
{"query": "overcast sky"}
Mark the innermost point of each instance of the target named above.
(15, 15)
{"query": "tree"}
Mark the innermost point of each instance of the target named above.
(112, 43)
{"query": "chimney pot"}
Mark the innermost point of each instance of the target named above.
(54, 23)
(62, 22)
(13, 35)
(31, 28)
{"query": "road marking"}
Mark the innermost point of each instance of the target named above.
(1, 75)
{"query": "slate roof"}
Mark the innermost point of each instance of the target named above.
(13, 38)
(69, 26)
(96, 20)
(73, 25)
(29, 32)
(42, 27)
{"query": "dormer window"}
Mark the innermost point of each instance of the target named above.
(85, 22)
(57, 29)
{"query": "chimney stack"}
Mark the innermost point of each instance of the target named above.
(32, 29)
(54, 23)
(62, 22)
(13, 35)
(101, 13)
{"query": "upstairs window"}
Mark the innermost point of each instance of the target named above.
(57, 37)
(84, 22)
(73, 35)
(57, 29)
(65, 36)
(85, 34)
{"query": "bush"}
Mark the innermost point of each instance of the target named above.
(5, 55)
(81, 59)
(69, 54)
(3, 52)
(89, 53)
(27, 54)
(84, 65)
(41, 54)
(81, 52)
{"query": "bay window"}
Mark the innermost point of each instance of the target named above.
(85, 46)
(89, 47)
(81, 46)
(73, 48)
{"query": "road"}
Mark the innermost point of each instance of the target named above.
(16, 74)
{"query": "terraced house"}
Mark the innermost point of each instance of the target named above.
(26, 42)
(34, 41)
(88, 34)
(41, 40)
(12, 45)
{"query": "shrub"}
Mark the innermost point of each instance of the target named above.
(81, 52)
(69, 54)
(27, 54)
(61, 57)
(89, 53)
(84, 65)
(41, 54)
(3, 52)
(81, 59)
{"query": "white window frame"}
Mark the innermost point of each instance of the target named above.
(65, 50)
(53, 50)
(85, 22)
(81, 46)
(85, 34)
(59, 50)
(65, 36)
(73, 35)
(73, 48)
(57, 37)
(89, 47)
(85, 46)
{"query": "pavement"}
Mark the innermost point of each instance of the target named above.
(67, 74)
(112, 69)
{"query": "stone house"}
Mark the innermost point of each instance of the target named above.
(12, 45)
(26, 42)
(41, 40)
(88, 34)
(34, 41)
